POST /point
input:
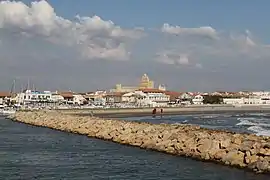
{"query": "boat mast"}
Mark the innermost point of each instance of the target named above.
(13, 87)
(12, 91)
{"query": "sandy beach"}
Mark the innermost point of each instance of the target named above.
(207, 109)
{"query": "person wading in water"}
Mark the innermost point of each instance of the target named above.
(161, 112)
(154, 112)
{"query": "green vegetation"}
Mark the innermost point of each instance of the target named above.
(215, 99)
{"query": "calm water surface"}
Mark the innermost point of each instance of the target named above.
(28, 152)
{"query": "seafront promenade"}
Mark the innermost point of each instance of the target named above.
(240, 150)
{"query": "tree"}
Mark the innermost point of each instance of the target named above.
(215, 99)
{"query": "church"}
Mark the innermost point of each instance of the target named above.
(145, 83)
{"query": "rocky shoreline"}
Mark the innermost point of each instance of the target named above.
(239, 150)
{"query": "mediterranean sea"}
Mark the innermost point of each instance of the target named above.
(28, 152)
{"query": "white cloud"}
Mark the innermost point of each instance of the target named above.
(93, 36)
(183, 59)
(192, 44)
(206, 31)
(117, 53)
(176, 58)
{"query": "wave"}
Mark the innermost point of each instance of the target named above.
(253, 122)
(257, 114)
(259, 131)
(247, 118)
(259, 126)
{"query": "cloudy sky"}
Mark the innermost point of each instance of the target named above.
(86, 45)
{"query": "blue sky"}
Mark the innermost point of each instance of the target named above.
(187, 45)
(224, 15)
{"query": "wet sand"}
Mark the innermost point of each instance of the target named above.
(139, 112)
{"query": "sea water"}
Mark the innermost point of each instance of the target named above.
(28, 152)
(257, 123)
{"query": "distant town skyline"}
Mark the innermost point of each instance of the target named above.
(87, 45)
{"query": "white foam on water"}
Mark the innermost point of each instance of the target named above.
(256, 125)
(227, 115)
(259, 131)
(221, 121)
(257, 114)
(213, 116)
(247, 118)
(209, 116)
(245, 122)
(255, 122)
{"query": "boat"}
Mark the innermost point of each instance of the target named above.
(4, 110)
(8, 111)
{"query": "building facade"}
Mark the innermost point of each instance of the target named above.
(145, 83)
(29, 96)
(198, 99)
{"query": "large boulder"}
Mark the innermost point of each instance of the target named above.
(235, 158)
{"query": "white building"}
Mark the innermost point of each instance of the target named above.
(156, 98)
(138, 98)
(261, 93)
(29, 96)
(78, 99)
(185, 98)
(198, 100)
(129, 97)
(57, 98)
(234, 101)
(146, 97)
(251, 100)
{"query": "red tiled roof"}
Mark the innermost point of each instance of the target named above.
(5, 94)
(115, 94)
(149, 90)
(66, 94)
(173, 95)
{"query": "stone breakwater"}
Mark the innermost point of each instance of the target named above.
(239, 150)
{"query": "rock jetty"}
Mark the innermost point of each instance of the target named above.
(232, 149)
